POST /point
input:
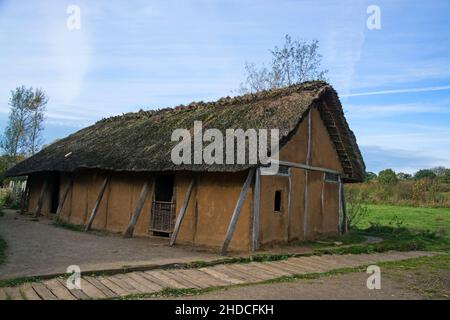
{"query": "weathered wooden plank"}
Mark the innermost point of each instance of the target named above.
(256, 205)
(220, 275)
(97, 203)
(181, 214)
(237, 211)
(113, 286)
(63, 198)
(96, 283)
(77, 293)
(231, 273)
(132, 282)
(28, 292)
(250, 273)
(43, 291)
(201, 277)
(180, 278)
(123, 284)
(44, 188)
(306, 262)
(137, 211)
(149, 285)
(3, 295)
(281, 266)
(275, 271)
(234, 273)
(163, 279)
(91, 290)
(59, 290)
(255, 267)
(14, 293)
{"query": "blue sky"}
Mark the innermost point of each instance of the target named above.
(394, 82)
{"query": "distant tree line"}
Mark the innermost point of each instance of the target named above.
(389, 176)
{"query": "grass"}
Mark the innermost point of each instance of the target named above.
(412, 228)
(419, 218)
(69, 226)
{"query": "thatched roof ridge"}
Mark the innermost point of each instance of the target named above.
(140, 141)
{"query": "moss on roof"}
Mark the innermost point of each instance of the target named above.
(141, 141)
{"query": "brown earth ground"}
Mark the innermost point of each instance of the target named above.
(39, 248)
(36, 248)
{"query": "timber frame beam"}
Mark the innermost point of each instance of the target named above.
(62, 200)
(181, 214)
(97, 203)
(38, 210)
(137, 210)
(237, 211)
(256, 204)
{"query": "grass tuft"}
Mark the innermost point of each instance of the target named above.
(69, 226)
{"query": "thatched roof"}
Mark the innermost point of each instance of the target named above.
(141, 141)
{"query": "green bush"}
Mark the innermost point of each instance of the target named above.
(5, 198)
(387, 177)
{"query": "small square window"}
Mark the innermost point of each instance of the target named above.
(331, 177)
(277, 201)
(283, 170)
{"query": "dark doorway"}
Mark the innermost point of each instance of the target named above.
(164, 188)
(54, 192)
(163, 207)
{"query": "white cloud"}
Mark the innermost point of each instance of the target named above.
(395, 91)
(392, 110)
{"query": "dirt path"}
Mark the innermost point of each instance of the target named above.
(36, 248)
(348, 286)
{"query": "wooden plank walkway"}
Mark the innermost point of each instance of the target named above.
(120, 285)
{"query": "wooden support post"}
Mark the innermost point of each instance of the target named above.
(308, 162)
(256, 204)
(97, 204)
(340, 206)
(344, 211)
(137, 211)
(62, 200)
(24, 197)
(37, 212)
(289, 205)
(237, 210)
(181, 214)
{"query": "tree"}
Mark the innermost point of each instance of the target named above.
(440, 171)
(387, 176)
(37, 109)
(25, 123)
(404, 176)
(297, 61)
(13, 140)
(445, 177)
(370, 176)
(424, 174)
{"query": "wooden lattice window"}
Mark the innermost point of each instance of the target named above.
(163, 216)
